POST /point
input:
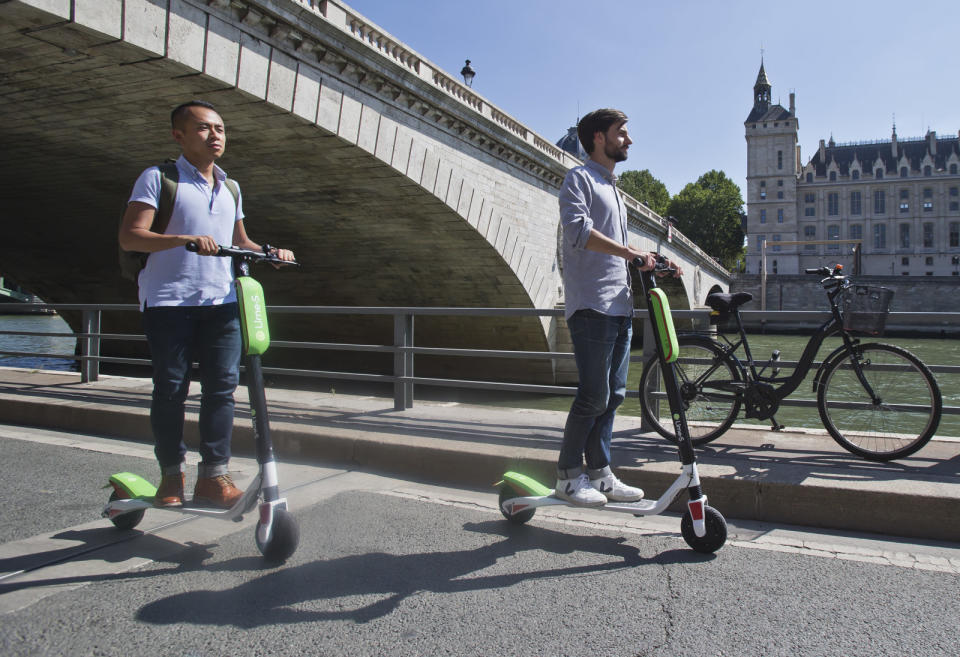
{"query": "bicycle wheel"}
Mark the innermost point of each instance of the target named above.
(700, 366)
(904, 416)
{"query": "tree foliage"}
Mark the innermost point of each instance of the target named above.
(710, 212)
(642, 186)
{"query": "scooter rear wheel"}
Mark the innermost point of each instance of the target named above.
(283, 539)
(125, 520)
(519, 518)
(716, 534)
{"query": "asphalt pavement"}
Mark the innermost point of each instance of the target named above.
(395, 566)
(799, 477)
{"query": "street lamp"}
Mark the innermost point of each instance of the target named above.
(468, 74)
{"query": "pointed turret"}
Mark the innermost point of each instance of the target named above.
(761, 90)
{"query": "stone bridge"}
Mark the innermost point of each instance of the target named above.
(395, 184)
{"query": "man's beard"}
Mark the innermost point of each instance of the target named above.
(616, 154)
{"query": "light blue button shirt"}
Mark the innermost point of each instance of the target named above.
(177, 277)
(589, 200)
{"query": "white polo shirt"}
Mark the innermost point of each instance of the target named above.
(177, 277)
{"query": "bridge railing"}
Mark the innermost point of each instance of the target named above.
(404, 349)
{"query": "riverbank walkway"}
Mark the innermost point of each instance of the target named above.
(797, 477)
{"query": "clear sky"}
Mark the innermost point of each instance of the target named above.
(683, 70)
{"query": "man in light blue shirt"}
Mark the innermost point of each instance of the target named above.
(189, 303)
(599, 310)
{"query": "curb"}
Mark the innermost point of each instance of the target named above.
(930, 510)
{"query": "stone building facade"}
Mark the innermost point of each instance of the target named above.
(899, 197)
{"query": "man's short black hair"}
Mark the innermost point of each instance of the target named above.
(597, 121)
(180, 111)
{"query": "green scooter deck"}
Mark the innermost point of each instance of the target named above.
(525, 484)
(134, 485)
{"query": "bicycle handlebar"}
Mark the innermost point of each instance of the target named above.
(245, 254)
(833, 276)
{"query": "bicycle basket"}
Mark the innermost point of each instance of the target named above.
(865, 308)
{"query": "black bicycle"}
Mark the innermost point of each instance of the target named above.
(877, 400)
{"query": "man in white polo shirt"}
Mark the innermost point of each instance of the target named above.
(189, 303)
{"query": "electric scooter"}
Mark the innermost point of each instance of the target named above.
(277, 533)
(703, 527)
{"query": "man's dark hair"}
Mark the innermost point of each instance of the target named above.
(180, 111)
(597, 121)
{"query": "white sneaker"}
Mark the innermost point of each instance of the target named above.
(579, 492)
(613, 489)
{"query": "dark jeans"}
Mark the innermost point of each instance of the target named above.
(177, 336)
(601, 345)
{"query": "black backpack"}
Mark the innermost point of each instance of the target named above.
(131, 262)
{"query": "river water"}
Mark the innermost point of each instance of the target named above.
(36, 344)
(930, 351)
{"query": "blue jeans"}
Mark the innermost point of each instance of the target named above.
(601, 345)
(177, 336)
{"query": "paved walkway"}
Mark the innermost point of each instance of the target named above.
(798, 477)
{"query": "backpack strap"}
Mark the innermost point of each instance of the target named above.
(234, 190)
(169, 179)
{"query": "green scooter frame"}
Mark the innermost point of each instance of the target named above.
(277, 533)
(703, 527)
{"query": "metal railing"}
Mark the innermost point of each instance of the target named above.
(404, 350)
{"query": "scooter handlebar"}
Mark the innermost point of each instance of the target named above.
(662, 265)
(246, 254)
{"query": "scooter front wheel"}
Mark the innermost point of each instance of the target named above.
(283, 539)
(125, 520)
(716, 534)
(518, 518)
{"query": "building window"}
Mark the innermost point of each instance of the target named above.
(810, 211)
(928, 206)
(760, 241)
(903, 172)
(855, 174)
(955, 234)
(833, 233)
(779, 159)
(809, 177)
(928, 235)
(854, 202)
(763, 194)
(779, 194)
(879, 202)
(954, 191)
(810, 233)
(929, 262)
(776, 247)
(780, 183)
(927, 171)
(905, 261)
(856, 231)
(953, 169)
(904, 236)
(879, 236)
(812, 198)
(878, 174)
(928, 192)
(833, 176)
(779, 215)
(904, 193)
(763, 216)
(904, 206)
(833, 204)
(954, 206)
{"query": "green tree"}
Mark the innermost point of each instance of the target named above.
(642, 186)
(710, 213)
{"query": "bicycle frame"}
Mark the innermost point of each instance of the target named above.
(782, 387)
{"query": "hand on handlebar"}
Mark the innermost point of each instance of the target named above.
(203, 245)
(658, 264)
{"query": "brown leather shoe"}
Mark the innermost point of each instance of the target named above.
(170, 491)
(216, 491)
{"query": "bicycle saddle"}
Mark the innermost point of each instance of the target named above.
(725, 303)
